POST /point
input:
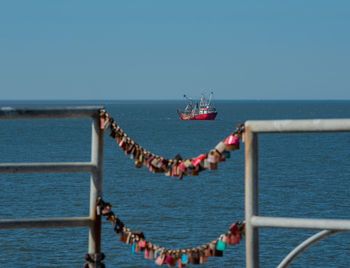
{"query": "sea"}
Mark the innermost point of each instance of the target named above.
(300, 175)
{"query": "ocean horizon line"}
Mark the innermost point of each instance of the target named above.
(38, 101)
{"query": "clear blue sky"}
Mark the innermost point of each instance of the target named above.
(163, 49)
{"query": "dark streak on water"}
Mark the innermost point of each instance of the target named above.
(302, 175)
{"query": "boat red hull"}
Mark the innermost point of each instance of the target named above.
(199, 116)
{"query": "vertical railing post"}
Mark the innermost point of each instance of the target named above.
(251, 198)
(96, 186)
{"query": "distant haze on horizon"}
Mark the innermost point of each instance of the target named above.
(160, 50)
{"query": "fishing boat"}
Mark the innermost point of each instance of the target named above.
(203, 110)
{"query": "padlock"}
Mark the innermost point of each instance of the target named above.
(103, 120)
(206, 164)
(160, 260)
(162, 162)
(118, 139)
(113, 133)
(122, 236)
(170, 260)
(234, 228)
(175, 171)
(133, 152)
(195, 171)
(203, 258)
(227, 238)
(111, 217)
(137, 248)
(138, 164)
(140, 161)
(142, 244)
(149, 161)
(157, 251)
(197, 160)
(232, 143)
(137, 152)
(155, 162)
(151, 254)
(220, 147)
(146, 254)
(122, 143)
(106, 210)
(188, 162)
(182, 167)
(208, 252)
(213, 251)
(138, 235)
(194, 257)
(128, 238)
(221, 245)
(168, 172)
(106, 124)
(184, 259)
(212, 159)
(117, 228)
(180, 264)
(151, 168)
(235, 239)
(128, 147)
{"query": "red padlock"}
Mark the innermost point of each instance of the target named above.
(232, 143)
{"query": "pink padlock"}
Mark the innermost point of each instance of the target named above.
(175, 171)
(182, 167)
(232, 140)
(160, 260)
(198, 160)
(169, 260)
(146, 253)
(234, 229)
(232, 143)
(122, 143)
(102, 122)
(235, 239)
(142, 244)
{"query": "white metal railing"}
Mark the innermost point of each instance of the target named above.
(93, 221)
(252, 218)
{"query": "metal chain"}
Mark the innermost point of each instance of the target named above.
(163, 255)
(176, 167)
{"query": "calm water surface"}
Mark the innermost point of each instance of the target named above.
(301, 175)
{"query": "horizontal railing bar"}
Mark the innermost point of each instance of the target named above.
(310, 125)
(45, 223)
(48, 112)
(47, 167)
(300, 223)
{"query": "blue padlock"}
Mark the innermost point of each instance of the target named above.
(184, 258)
(221, 245)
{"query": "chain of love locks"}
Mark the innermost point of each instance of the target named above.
(176, 167)
(172, 257)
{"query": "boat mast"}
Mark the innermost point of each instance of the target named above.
(211, 95)
(202, 102)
